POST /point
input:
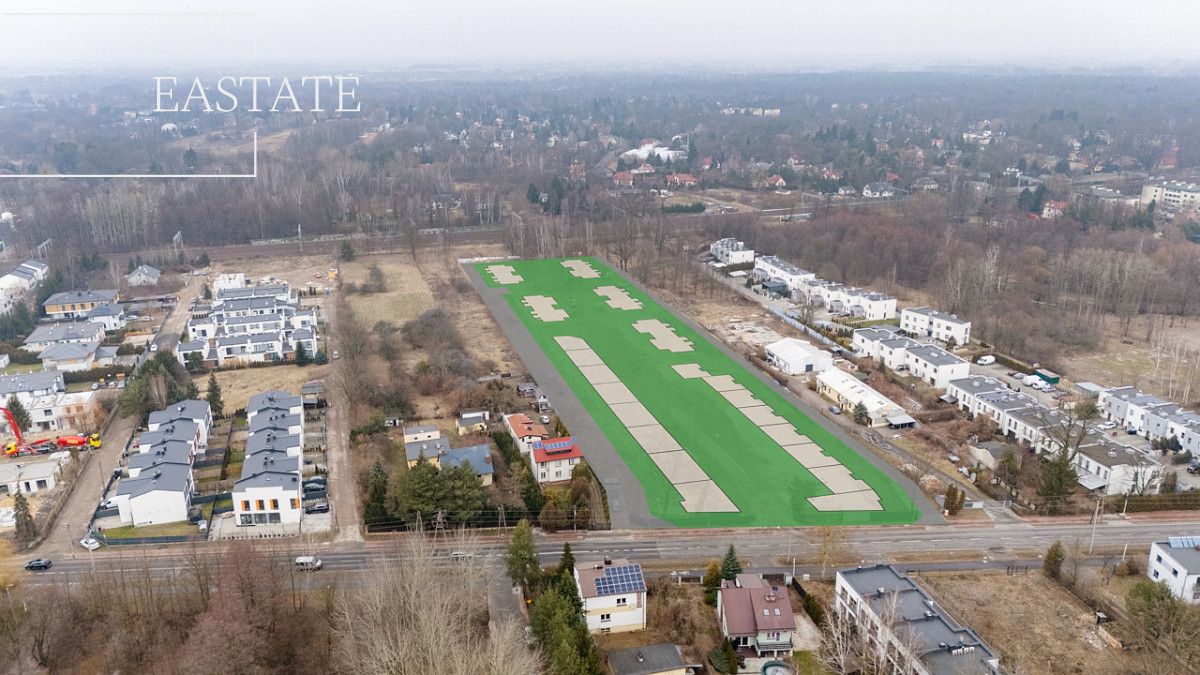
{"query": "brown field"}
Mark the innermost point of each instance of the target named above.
(238, 385)
(1008, 610)
(407, 295)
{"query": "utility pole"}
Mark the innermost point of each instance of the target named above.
(1095, 520)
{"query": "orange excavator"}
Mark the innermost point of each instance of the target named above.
(21, 447)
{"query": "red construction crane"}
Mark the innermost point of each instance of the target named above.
(20, 447)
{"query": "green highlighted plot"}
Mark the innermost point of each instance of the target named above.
(711, 445)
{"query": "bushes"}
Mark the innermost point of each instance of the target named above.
(814, 610)
(103, 372)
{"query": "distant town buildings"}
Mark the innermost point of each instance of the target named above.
(1172, 195)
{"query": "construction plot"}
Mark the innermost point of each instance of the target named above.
(707, 443)
(504, 275)
(663, 336)
(543, 308)
(699, 493)
(619, 298)
(581, 268)
(849, 493)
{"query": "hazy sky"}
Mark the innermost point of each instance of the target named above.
(771, 34)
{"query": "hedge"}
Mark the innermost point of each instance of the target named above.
(95, 374)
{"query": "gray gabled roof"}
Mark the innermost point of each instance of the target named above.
(44, 379)
(189, 409)
(72, 330)
(427, 449)
(169, 477)
(76, 297)
(270, 462)
(646, 660)
(274, 398)
(146, 270)
(277, 421)
(479, 457)
(284, 479)
(271, 441)
(169, 452)
(69, 351)
(178, 430)
(107, 309)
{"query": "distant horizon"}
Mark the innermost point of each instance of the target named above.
(1066, 35)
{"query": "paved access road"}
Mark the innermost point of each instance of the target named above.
(98, 464)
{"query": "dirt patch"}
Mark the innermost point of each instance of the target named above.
(407, 295)
(675, 614)
(237, 386)
(1009, 611)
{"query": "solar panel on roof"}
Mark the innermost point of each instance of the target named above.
(1183, 542)
(621, 579)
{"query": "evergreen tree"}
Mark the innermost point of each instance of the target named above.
(861, 416)
(522, 560)
(302, 358)
(420, 490)
(533, 194)
(712, 582)
(214, 396)
(1053, 561)
(26, 528)
(730, 565)
(347, 253)
(950, 502)
(19, 413)
(375, 509)
(207, 292)
(465, 496)
(566, 562)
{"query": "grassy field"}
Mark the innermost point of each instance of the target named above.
(238, 385)
(769, 487)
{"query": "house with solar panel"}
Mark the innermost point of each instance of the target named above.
(1176, 563)
(613, 594)
(554, 459)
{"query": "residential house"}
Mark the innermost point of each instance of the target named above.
(848, 391)
(270, 490)
(144, 275)
(28, 477)
(178, 430)
(878, 190)
(525, 431)
(32, 389)
(920, 637)
(274, 441)
(659, 659)
(111, 317)
(25, 277)
(194, 410)
(796, 357)
(756, 616)
(966, 392)
(613, 595)
(478, 457)
(1112, 468)
(421, 432)
(989, 454)
(775, 181)
(76, 356)
(930, 323)
(771, 268)
(1053, 208)
(936, 366)
(159, 495)
(1171, 196)
(622, 179)
(250, 324)
(685, 180)
(553, 459)
(1176, 564)
(472, 422)
(273, 401)
(78, 332)
(76, 304)
(730, 251)
(431, 450)
(867, 341)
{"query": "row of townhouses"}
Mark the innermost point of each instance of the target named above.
(158, 485)
(21, 280)
(930, 363)
(730, 251)
(1150, 417)
(1102, 463)
(249, 324)
(270, 489)
(930, 323)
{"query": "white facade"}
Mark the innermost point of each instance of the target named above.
(848, 391)
(930, 323)
(795, 357)
(936, 366)
(611, 611)
(1176, 563)
(771, 267)
(730, 251)
(1172, 195)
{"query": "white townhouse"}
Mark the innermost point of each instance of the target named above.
(161, 494)
(177, 430)
(1116, 469)
(769, 267)
(730, 251)
(47, 335)
(30, 388)
(869, 305)
(893, 352)
(920, 637)
(1176, 563)
(866, 341)
(930, 323)
(848, 391)
(193, 410)
(936, 366)
(270, 490)
(613, 594)
(25, 277)
(165, 452)
(796, 357)
(250, 324)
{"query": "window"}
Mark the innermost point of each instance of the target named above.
(295, 503)
(274, 504)
(621, 602)
(605, 631)
(1155, 574)
(245, 504)
(1174, 572)
(258, 505)
(1158, 558)
(605, 618)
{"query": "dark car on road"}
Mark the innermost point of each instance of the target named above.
(39, 565)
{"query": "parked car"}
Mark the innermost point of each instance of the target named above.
(318, 506)
(308, 563)
(545, 419)
(89, 543)
(1194, 467)
(836, 410)
(38, 565)
(108, 504)
(986, 360)
(460, 555)
(336, 354)
(153, 346)
(314, 487)
(1017, 376)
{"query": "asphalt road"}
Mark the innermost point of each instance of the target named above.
(669, 549)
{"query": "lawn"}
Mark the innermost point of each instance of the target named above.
(182, 528)
(767, 485)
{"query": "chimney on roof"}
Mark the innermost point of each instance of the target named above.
(607, 561)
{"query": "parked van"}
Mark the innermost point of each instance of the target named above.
(308, 563)
(986, 360)
(1030, 379)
